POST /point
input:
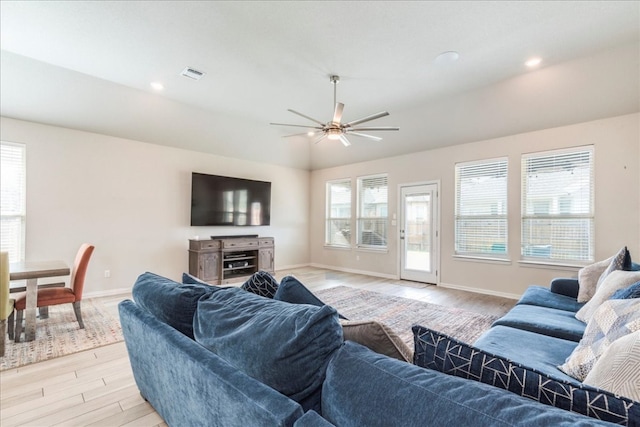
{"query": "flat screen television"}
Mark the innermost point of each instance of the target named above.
(223, 200)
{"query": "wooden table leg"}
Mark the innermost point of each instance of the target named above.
(31, 310)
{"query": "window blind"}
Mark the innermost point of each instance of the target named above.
(12, 199)
(372, 211)
(557, 205)
(338, 215)
(481, 208)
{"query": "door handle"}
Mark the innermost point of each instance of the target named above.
(401, 234)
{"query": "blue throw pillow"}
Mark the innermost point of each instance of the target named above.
(261, 283)
(632, 291)
(439, 352)
(171, 302)
(188, 279)
(285, 346)
(293, 291)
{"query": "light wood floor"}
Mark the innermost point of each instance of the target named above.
(96, 387)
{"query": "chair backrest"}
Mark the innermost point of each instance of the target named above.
(79, 270)
(5, 306)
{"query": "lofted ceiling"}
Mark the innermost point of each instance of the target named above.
(88, 65)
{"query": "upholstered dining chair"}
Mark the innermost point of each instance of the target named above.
(65, 295)
(6, 303)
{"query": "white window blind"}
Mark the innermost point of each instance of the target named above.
(372, 211)
(338, 216)
(557, 205)
(12, 199)
(481, 208)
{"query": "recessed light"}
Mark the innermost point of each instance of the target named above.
(533, 62)
(447, 57)
(157, 85)
(311, 133)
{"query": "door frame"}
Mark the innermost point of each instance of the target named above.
(436, 243)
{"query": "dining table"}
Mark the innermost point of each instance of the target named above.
(31, 271)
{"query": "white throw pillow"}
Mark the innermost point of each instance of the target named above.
(611, 321)
(588, 279)
(618, 369)
(591, 276)
(618, 279)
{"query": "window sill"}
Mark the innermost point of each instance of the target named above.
(488, 260)
(374, 250)
(549, 264)
(338, 248)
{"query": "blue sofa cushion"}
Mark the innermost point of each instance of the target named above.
(632, 291)
(536, 351)
(364, 388)
(543, 297)
(445, 354)
(293, 291)
(171, 302)
(543, 320)
(565, 286)
(190, 386)
(286, 346)
(261, 283)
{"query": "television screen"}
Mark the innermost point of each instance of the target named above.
(222, 200)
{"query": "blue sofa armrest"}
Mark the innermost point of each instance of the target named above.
(566, 287)
(189, 385)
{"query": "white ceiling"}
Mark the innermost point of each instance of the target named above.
(88, 65)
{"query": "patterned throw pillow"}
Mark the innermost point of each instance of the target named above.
(612, 320)
(632, 291)
(618, 369)
(439, 352)
(261, 283)
(616, 280)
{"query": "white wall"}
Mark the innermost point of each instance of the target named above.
(132, 201)
(617, 202)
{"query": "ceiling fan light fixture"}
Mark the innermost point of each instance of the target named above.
(334, 134)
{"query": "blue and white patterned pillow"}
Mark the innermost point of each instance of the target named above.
(614, 319)
(442, 353)
(261, 283)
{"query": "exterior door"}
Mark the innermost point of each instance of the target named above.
(419, 244)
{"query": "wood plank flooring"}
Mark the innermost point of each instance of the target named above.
(96, 387)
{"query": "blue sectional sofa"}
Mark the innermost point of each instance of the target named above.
(211, 356)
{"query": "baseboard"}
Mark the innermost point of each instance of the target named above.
(350, 270)
(480, 291)
(291, 267)
(109, 293)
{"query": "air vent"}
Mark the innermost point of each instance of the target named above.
(192, 73)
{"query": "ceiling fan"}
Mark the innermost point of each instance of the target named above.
(335, 129)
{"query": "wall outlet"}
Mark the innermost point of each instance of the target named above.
(107, 274)
(357, 257)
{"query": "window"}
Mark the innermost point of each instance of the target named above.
(12, 199)
(372, 211)
(557, 205)
(481, 208)
(338, 217)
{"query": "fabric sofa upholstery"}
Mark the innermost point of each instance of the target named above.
(544, 320)
(190, 385)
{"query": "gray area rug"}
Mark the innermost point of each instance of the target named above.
(59, 335)
(401, 313)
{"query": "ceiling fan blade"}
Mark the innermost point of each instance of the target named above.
(297, 134)
(337, 114)
(364, 135)
(306, 117)
(344, 140)
(298, 126)
(368, 118)
(320, 139)
(373, 129)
